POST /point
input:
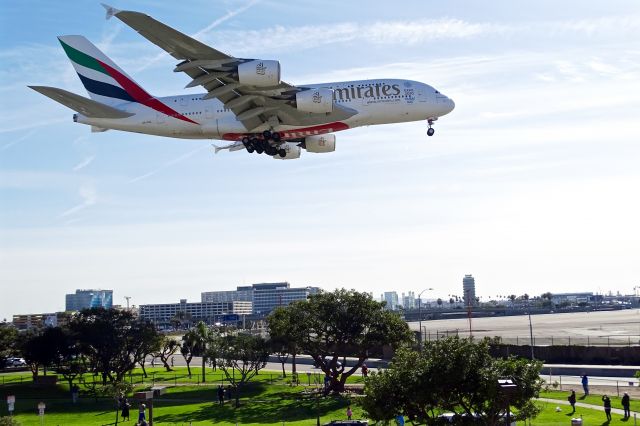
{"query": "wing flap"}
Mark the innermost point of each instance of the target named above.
(81, 104)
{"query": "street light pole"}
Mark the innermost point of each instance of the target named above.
(530, 329)
(420, 314)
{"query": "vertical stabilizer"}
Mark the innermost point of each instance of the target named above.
(103, 79)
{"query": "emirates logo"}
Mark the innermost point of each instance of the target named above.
(316, 97)
(260, 68)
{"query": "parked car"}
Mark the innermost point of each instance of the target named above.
(15, 362)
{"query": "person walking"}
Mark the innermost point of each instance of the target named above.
(572, 400)
(585, 384)
(365, 370)
(141, 414)
(626, 402)
(220, 395)
(349, 413)
(607, 406)
(172, 361)
(124, 406)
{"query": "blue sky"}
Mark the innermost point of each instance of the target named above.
(531, 184)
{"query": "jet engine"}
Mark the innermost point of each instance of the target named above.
(315, 100)
(259, 73)
(292, 151)
(320, 143)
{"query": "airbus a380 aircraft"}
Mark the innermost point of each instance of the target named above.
(245, 103)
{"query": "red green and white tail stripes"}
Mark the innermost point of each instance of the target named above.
(105, 81)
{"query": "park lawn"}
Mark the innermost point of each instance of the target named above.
(261, 403)
(593, 399)
(549, 416)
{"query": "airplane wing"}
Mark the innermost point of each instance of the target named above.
(217, 72)
(84, 106)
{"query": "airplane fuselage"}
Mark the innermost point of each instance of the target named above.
(380, 101)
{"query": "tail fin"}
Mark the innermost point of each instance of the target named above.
(103, 79)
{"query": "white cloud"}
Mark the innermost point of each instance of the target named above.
(89, 197)
(84, 163)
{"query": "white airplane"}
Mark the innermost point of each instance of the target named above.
(245, 103)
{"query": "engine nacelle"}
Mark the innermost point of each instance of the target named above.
(292, 149)
(320, 143)
(259, 73)
(315, 100)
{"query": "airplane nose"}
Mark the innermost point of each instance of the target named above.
(449, 105)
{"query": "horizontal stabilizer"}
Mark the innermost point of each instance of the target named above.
(80, 104)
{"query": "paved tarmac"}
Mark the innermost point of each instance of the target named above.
(619, 327)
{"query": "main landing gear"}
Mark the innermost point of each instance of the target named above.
(431, 130)
(269, 144)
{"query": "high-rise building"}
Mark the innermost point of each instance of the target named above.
(391, 297)
(83, 299)
(409, 300)
(264, 296)
(469, 290)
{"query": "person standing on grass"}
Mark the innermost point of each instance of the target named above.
(349, 413)
(585, 384)
(572, 400)
(229, 392)
(74, 393)
(124, 405)
(220, 395)
(626, 402)
(607, 406)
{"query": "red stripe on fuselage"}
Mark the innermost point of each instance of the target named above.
(336, 126)
(141, 96)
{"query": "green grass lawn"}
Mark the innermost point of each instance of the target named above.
(592, 399)
(549, 416)
(268, 399)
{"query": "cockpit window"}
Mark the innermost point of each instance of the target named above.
(437, 92)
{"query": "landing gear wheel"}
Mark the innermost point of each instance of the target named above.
(282, 153)
(250, 149)
(271, 151)
(266, 134)
(259, 150)
(275, 136)
(431, 131)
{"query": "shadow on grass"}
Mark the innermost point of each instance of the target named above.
(264, 410)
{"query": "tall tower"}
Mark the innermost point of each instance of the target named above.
(469, 290)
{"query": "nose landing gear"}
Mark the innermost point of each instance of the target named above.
(431, 130)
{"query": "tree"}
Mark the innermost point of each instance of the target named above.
(280, 346)
(288, 329)
(187, 348)
(455, 375)
(8, 339)
(348, 323)
(114, 341)
(240, 357)
(168, 347)
(42, 348)
(195, 343)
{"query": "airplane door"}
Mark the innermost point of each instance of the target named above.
(160, 118)
(208, 114)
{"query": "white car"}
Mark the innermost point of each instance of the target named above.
(16, 362)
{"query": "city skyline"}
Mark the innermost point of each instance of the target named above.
(528, 184)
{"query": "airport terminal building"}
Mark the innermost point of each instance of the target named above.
(264, 296)
(164, 314)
